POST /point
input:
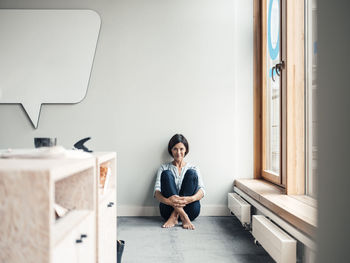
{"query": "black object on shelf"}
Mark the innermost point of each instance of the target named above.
(44, 142)
(80, 145)
(120, 250)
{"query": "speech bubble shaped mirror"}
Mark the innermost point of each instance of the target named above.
(46, 56)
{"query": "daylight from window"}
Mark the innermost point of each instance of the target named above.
(311, 93)
(273, 90)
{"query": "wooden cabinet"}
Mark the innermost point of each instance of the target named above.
(106, 210)
(29, 230)
(78, 245)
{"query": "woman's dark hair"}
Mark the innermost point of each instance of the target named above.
(175, 140)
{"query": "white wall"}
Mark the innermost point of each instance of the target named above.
(161, 67)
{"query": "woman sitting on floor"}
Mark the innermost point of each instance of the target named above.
(179, 186)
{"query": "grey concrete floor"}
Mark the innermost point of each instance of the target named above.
(216, 239)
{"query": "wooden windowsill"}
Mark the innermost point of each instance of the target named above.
(298, 210)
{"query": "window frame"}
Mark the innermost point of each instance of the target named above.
(278, 179)
(293, 131)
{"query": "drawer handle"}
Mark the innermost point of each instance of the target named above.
(83, 236)
(110, 204)
(79, 241)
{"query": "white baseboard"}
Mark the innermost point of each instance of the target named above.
(206, 210)
(215, 210)
(126, 210)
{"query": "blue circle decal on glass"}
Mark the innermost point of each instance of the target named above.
(273, 42)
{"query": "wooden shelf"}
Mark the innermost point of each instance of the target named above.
(29, 190)
(57, 168)
(105, 195)
(106, 209)
(298, 210)
(102, 157)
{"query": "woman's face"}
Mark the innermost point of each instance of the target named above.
(178, 151)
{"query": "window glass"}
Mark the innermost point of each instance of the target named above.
(311, 93)
(273, 88)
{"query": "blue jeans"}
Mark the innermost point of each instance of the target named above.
(188, 188)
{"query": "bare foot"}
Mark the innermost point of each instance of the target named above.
(171, 222)
(186, 223)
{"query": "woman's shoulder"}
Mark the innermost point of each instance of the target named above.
(165, 166)
(192, 166)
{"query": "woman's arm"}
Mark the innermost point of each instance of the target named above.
(190, 199)
(179, 201)
(157, 185)
(174, 200)
(160, 197)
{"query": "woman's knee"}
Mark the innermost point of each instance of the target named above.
(167, 175)
(191, 174)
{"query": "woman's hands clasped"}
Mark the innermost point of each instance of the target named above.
(179, 201)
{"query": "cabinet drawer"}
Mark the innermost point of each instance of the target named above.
(67, 250)
(107, 226)
(87, 233)
(78, 246)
